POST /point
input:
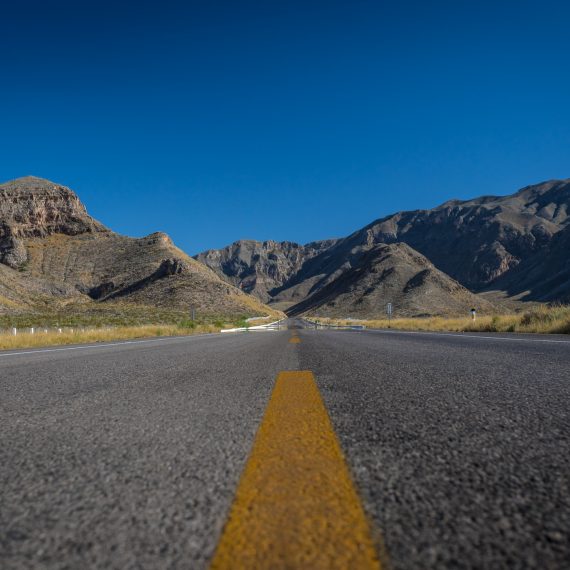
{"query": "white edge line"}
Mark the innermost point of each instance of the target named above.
(461, 335)
(105, 344)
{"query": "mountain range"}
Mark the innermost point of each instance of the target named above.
(479, 253)
(476, 252)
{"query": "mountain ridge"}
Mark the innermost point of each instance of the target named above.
(476, 242)
(53, 251)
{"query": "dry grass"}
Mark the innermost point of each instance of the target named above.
(542, 319)
(99, 322)
(116, 314)
(78, 336)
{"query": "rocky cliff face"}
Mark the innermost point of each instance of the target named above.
(259, 267)
(51, 249)
(544, 277)
(34, 207)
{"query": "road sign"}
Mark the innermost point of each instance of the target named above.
(389, 309)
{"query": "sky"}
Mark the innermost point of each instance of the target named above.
(281, 119)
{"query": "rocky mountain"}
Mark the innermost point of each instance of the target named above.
(260, 267)
(544, 277)
(478, 243)
(32, 207)
(52, 252)
(391, 273)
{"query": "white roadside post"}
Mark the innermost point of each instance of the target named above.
(14, 331)
(32, 330)
(389, 311)
(473, 314)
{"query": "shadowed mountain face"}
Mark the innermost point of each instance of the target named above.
(53, 253)
(545, 276)
(478, 243)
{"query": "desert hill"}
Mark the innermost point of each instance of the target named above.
(52, 251)
(391, 273)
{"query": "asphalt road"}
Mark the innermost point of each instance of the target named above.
(128, 456)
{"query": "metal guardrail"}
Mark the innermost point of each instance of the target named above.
(274, 326)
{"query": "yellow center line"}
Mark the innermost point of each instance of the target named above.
(295, 340)
(296, 505)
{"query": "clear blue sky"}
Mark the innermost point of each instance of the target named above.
(281, 119)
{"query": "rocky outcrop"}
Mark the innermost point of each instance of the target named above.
(51, 248)
(34, 207)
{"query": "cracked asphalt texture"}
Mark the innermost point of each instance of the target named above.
(128, 456)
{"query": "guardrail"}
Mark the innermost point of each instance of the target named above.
(39, 330)
(274, 326)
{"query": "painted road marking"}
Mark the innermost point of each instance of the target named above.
(296, 505)
(295, 340)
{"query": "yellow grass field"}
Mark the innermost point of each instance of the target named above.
(24, 339)
(543, 319)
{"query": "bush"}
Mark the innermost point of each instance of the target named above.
(187, 324)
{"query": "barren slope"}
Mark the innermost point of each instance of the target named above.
(391, 273)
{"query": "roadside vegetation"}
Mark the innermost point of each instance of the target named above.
(540, 319)
(26, 339)
(78, 324)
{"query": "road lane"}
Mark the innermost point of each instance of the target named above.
(129, 456)
(460, 446)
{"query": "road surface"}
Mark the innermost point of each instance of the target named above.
(130, 455)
